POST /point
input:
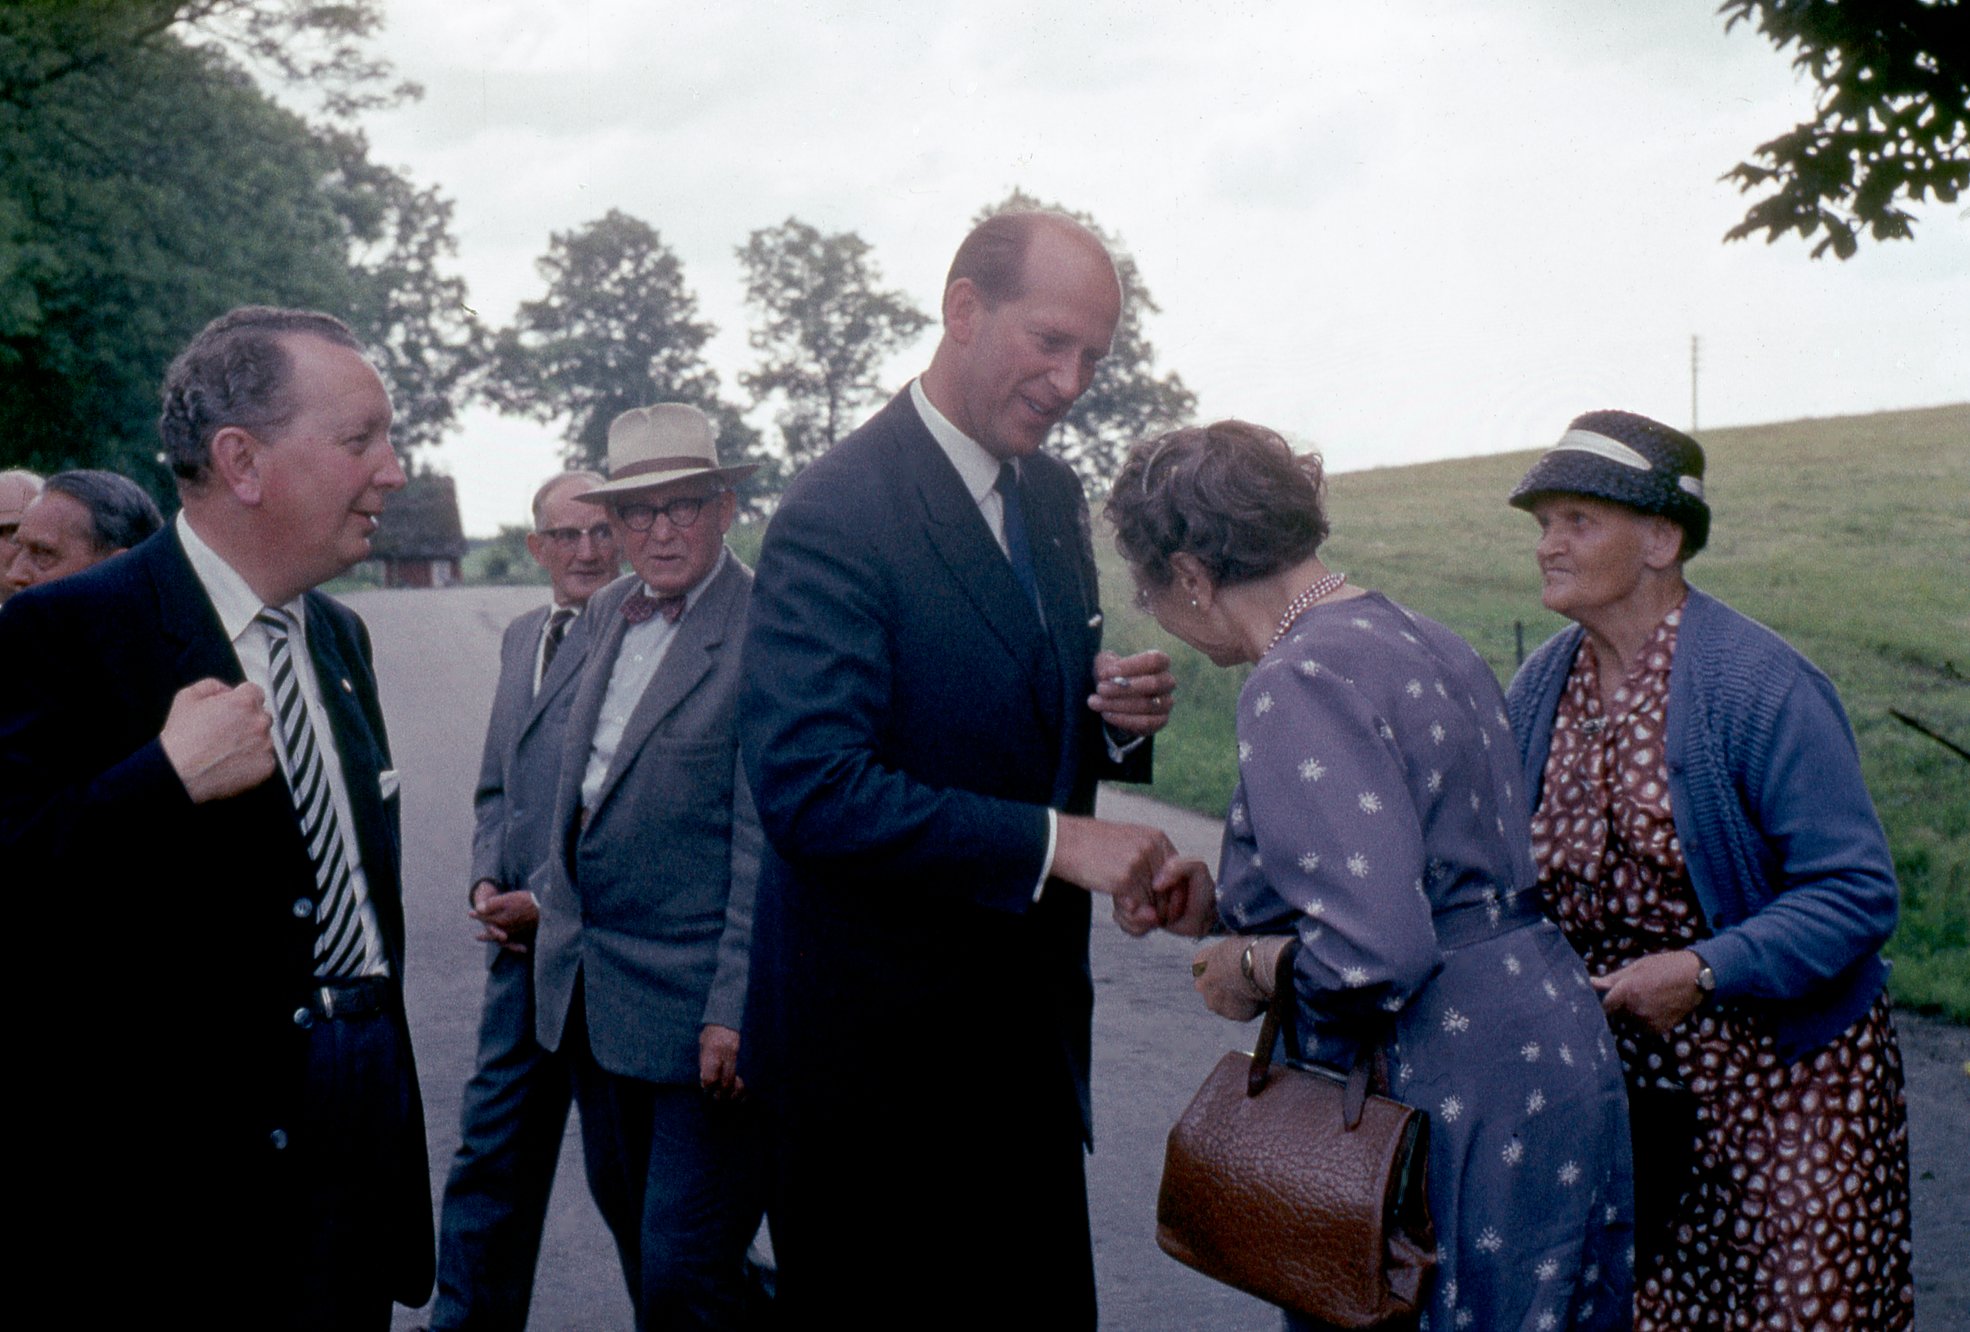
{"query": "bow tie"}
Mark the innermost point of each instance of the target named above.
(642, 606)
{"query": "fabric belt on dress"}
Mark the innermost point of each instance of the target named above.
(357, 997)
(1469, 923)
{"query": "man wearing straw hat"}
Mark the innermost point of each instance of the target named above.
(646, 900)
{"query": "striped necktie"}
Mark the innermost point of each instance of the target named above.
(339, 951)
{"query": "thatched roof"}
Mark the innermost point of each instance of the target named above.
(420, 522)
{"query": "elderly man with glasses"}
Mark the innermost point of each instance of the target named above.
(646, 896)
(515, 1108)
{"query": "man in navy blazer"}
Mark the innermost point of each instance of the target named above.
(224, 1117)
(925, 717)
(646, 897)
(515, 1108)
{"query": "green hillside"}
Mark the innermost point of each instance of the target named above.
(1850, 536)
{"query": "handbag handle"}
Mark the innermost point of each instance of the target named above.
(1279, 1019)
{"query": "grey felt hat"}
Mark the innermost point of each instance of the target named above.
(1630, 460)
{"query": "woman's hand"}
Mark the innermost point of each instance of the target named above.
(1658, 990)
(1186, 898)
(1220, 971)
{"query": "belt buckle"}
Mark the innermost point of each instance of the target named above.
(325, 994)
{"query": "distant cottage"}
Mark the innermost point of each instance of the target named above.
(419, 538)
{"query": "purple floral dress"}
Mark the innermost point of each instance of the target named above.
(1379, 816)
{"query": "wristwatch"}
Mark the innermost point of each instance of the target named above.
(1706, 979)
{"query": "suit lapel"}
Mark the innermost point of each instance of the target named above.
(1058, 537)
(689, 659)
(187, 620)
(958, 533)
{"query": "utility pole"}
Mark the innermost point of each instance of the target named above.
(1693, 365)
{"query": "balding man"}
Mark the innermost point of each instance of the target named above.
(17, 490)
(80, 519)
(515, 1108)
(194, 776)
(924, 730)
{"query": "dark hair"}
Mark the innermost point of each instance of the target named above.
(120, 513)
(1232, 494)
(993, 256)
(234, 373)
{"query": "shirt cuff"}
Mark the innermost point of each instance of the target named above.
(1046, 866)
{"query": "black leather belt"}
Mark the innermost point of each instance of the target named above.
(356, 997)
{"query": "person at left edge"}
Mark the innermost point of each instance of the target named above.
(224, 1123)
(515, 1107)
(646, 896)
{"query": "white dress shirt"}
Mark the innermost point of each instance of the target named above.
(237, 605)
(637, 659)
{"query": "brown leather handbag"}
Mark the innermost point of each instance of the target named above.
(1294, 1183)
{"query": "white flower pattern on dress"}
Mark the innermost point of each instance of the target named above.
(1334, 855)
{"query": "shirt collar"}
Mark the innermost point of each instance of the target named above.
(697, 589)
(229, 593)
(978, 469)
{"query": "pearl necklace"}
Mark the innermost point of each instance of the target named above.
(1304, 602)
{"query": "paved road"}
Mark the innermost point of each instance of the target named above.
(437, 655)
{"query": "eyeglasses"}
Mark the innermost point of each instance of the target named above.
(567, 538)
(682, 512)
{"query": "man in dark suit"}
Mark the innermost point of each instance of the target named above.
(646, 900)
(515, 1108)
(80, 519)
(923, 726)
(225, 1122)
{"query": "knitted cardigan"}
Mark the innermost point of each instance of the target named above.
(1784, 849)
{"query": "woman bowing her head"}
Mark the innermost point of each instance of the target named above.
(1377, 840)
(1704, 838)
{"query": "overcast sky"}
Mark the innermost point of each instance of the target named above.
(1395, 232)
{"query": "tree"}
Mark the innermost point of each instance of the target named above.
(826, 328)
(1892, 123)
(617, 329)
(417, 320)
(152, 184)
(1128, 399)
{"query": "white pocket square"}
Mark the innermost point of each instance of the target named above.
(388, 782)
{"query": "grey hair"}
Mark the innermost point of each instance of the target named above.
(555, 482)
(1232, 494)
(120, 513)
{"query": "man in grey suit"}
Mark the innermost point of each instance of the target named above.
(515, 1108)
(646, 899)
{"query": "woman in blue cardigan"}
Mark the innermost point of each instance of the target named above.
(1704, 838)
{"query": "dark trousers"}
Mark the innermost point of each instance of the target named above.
(511, 1121)
(358, 1102)
(676, 1177)
(937, 1218)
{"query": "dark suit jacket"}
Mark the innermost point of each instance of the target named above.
(907, 721)
(159, 952)
(650, 898)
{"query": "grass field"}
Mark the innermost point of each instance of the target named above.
(1849, 536)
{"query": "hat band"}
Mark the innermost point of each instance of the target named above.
(675, 463)
(1587, 441)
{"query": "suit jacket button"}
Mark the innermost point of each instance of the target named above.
(303, 908)
(303, 1018)
(278, 1140)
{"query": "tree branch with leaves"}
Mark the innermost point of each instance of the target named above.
(1892, 123)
